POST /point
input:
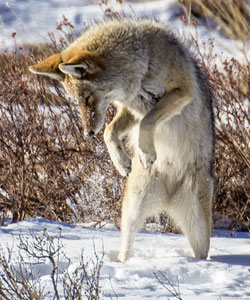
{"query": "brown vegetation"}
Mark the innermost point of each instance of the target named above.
(232, 16)
(230, 86)
(47, 167)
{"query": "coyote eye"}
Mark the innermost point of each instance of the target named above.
(87, 100)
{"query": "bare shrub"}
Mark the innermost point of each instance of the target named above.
(82, 282)
(20, 280)
(17, 282)
(47, 167)
(230, 84)
(172, 288)
(232, 153)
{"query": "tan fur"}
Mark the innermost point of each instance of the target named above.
(50, 64)
(164, 107)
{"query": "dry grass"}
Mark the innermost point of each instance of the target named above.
(232, 16)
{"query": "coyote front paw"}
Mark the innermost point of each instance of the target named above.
(122, 162)
(147, 159)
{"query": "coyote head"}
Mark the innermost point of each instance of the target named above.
(82, 77)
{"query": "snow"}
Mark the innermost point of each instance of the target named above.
(225, 274)
(32, 20)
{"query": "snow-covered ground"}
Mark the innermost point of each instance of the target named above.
(225, 275)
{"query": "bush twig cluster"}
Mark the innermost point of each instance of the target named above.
(22, 280)
(230, 84)
(169, 286)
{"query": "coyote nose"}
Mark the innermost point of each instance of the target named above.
(89, 134)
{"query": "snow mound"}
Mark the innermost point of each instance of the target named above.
(166, 256)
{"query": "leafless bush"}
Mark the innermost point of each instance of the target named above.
(230, 84)
(19, 279)
(108, 9)
(47, 167)
(232, 155)
(17, 282)
(81, 282)
(171, 288)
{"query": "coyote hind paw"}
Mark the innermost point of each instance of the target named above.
(147, 159)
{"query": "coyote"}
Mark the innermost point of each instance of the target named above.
(165, 110)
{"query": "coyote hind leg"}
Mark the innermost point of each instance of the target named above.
(193, 215)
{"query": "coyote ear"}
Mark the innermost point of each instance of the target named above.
(49, 67)
(76, 70)
(85, 62)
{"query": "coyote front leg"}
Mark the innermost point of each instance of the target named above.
(113, 133)
(169, 106)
